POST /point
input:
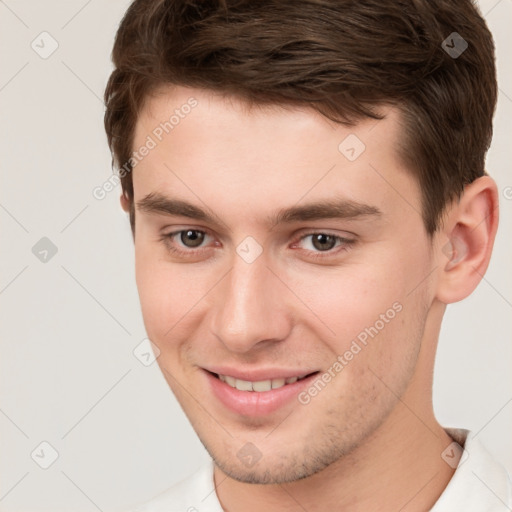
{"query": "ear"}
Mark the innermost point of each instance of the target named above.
(125, 204)
(466, 240)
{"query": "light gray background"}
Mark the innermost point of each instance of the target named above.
(69, 326)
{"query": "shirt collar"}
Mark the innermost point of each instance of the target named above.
(479, 484)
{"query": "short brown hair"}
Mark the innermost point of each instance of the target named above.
(339, 57)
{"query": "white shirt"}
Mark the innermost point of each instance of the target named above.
(479, 484)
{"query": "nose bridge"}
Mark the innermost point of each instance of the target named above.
(248, 306)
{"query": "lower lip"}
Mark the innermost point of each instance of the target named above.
(255, 403)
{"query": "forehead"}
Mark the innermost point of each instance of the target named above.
(209, 146)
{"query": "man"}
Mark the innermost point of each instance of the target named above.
(306, 189)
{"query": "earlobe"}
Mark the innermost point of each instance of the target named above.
(467, 240)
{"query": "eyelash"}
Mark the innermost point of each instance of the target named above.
(346, 243)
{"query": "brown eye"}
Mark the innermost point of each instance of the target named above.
(319, 245)
(323, 242)
(191, 238)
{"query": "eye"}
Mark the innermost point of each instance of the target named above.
(185, 242)
(322, 241)
(191, 238)
(189, 242)
(322, 244)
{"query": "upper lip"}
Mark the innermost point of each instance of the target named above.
(256, 375)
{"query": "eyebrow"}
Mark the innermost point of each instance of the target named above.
(327, 209)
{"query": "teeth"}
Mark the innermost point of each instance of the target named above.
(230, 380)
(277, 383)
(259, 386)
(262, 385)
(243, 385)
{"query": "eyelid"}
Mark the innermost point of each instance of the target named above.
(346, 236)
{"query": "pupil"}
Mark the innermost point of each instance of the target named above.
(194, 236)
(320, 240)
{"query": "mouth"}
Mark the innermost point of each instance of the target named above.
(259, 386)
(256, 398)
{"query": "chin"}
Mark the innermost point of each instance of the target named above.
(278, 469)
(264, 475)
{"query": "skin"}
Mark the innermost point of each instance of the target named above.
(370, 436)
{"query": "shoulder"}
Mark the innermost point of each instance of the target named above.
(195, 493)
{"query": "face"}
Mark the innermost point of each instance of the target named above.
(243, 282)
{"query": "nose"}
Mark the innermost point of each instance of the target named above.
(251, 307)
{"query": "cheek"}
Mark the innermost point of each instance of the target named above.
(346, 301)
(170, 295)
(369, 303)
(159, 291)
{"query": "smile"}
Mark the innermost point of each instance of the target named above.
(258, 397)
(258, 386)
